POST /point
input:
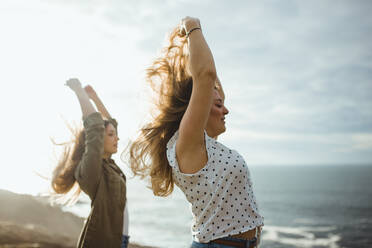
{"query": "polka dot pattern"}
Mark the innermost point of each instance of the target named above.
(221, 194)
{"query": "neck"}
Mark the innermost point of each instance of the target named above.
(106, 155)
(210, 134)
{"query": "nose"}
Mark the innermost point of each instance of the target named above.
(225, 110)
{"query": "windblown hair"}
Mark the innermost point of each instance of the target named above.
(171, 81)
(63, 181)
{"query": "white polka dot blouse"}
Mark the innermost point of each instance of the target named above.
(221, 194)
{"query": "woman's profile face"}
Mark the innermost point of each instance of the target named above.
(216, 120)
(110, 145)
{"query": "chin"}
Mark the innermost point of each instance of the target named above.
(223, 129)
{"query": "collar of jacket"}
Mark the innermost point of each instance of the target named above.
(113, 165)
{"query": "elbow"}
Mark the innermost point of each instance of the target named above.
(208, 76)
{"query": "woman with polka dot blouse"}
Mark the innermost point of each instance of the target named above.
(179, 145)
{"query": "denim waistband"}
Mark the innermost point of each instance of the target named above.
(124, 241)
(212, 244)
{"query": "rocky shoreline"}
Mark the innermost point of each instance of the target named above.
(29, 221)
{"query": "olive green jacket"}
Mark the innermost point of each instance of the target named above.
(104, 183)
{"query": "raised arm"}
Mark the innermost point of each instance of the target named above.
(86, 106)
(89, 169)
(190, 149)
(97, 101)
(100, 106)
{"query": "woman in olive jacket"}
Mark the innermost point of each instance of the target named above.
(88, 166)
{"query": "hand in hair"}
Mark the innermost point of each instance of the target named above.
(188, 23)
(74, 84)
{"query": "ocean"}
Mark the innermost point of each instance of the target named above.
(303, 206)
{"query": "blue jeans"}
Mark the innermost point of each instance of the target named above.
(124, 241)
(211, 244)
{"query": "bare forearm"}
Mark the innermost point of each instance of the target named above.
(101, 107)
(201, 58)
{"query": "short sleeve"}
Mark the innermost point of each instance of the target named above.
(171, 152)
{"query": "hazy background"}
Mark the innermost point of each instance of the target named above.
(297, 76)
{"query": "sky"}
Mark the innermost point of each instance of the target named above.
(297, 76)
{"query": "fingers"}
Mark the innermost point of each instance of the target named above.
(187, 24)
(182, 28)
(73, 83)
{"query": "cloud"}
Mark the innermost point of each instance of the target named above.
(297, 75)
(362, 141)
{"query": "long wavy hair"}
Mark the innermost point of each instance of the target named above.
(63, 182)
(171, 81)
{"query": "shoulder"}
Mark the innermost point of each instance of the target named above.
(194, 162)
